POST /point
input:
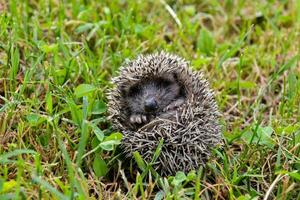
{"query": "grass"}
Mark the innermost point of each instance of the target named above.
(56, 62)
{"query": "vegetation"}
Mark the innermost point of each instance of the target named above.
(56, 62)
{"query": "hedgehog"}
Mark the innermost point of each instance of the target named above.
(158, 96)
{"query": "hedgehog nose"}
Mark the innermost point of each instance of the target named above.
(150, 105)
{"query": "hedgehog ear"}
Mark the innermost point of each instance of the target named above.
(170, 76)
(175, 76)
(124, 89)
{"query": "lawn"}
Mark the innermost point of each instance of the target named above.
(56, 63)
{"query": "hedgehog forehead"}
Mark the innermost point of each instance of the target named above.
(151, 66)
(160, 64)
(154, 64)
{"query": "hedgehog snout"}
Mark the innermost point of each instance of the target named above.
(150, 104)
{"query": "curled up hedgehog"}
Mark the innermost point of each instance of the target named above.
(156, 97)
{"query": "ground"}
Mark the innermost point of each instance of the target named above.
(56, 63)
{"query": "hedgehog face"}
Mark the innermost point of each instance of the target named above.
(152, 96)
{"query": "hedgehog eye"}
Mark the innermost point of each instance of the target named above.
(133, 91)
(175, 76)
(168, 79)
(166, 83)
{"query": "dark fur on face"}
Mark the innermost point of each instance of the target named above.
(152, 97)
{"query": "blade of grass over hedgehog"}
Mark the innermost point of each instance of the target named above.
(139, 161)
(146, 167)
(179, 181)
